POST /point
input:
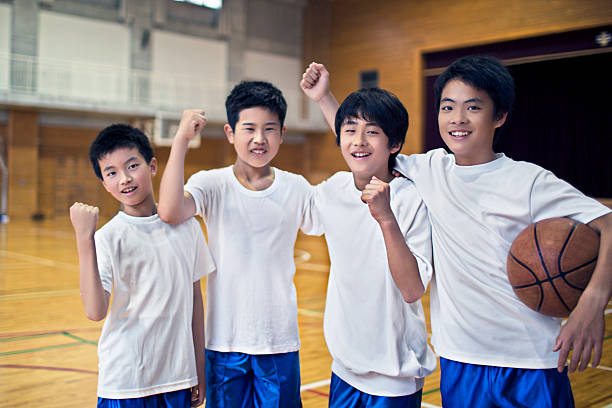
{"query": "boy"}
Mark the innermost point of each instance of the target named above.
(380, 256)
(252, 212)
(494, 350)
(151, 347)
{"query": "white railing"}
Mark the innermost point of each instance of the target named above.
(87, 86)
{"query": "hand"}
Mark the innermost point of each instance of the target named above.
(583, 333)
(192, 123)
(198, 394)
(84, 219)
(397, 173)
(315, 82)
(377, 196)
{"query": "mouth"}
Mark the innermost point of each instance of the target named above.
(258, 151)
(128, 190)
(459, 134)
(360, 155)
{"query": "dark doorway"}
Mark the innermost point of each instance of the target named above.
(561, 119)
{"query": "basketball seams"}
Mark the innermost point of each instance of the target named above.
(543, 264)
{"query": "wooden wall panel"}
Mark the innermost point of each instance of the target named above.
(22, 163)
(391, 36)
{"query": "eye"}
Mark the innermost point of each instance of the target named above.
(373, 132)
(474, 108)
(111, 173)
(133, 166)
(446, 108)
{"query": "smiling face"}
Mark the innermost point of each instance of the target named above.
(467, 123)
(256, 138)
(365, 148)
(127, 177)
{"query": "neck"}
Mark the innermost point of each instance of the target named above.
(254, 178)
(475, 160)
(145, 209)
(362, 180)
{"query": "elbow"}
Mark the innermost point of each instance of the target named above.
(166, 215)
(412, 296)
(96, 316)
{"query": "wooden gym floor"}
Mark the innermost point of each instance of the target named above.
(48, 347)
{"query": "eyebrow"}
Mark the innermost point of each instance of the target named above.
(265, 124)
(479, 100)
(131, 159)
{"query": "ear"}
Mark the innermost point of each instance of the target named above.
(153, 166)
(283, 131)
(395, 148)
(229, 133)
(105, 186)
(501, 119)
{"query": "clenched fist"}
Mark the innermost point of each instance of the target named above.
(84, 219)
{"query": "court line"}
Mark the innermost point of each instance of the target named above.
(45, 348)
(313, 267)
(316, 384)
(312, 313)
(45, 333)
(29, 367)
(37, 259)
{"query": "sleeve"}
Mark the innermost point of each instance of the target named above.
(199, 186)
(312, 224)
(552, 197)
(418, 239)
(204, 262)
(105, 266)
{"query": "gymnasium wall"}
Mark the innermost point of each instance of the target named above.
(392, 35)
(5, 46)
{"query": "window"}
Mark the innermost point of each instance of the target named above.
(214, 4)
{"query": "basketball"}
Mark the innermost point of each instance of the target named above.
(551, 262)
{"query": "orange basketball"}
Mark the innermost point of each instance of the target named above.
(551, 262)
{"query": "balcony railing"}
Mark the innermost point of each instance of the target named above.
(78, 85)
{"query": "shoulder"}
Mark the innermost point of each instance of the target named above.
(290, 178)
(409, 164)
(211, 175)
(404, 191)
(337, 181)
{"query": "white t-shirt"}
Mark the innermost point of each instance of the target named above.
(377, 340)
(251, 302)
(475, 213)
(146, 345)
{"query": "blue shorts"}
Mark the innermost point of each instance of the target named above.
(479, 386)
(239, 380)
(174, 399)
(343, 395)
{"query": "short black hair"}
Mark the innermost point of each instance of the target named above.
(251, 94)
(485, 73)
(118, 136)
(380, 106)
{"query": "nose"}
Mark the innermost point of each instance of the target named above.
(259, 137)
(360, 139)
(125, 177)
(458, 116)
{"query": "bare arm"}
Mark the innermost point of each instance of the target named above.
(95, 299)
(584, 330)
(197, 327)
(402, 263)
(176, 205)
(315, 84)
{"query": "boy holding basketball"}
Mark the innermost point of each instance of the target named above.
(380, 256)
(252, 212)
(151, 349)
(494, 350)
